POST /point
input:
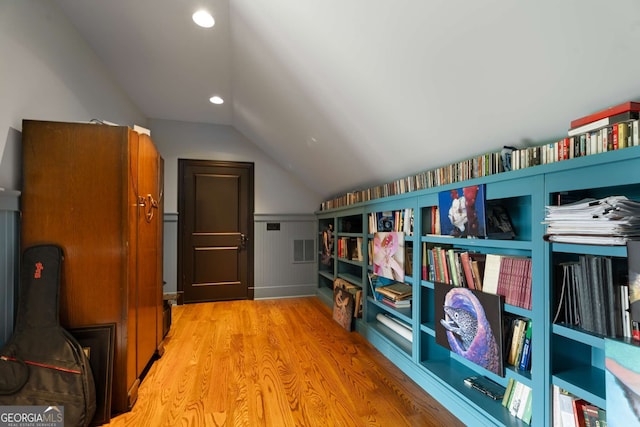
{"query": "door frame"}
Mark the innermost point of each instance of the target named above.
(249, 167)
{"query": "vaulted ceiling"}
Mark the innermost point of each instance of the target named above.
(351, 93)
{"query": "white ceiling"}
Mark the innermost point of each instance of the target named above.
(351, 93)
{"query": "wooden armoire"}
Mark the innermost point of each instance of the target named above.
(96, 190)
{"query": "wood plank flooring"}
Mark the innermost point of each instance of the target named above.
(277, 363)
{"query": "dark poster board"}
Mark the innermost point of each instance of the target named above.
(98, 343)
(469, 323)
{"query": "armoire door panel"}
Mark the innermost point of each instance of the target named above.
(81, 188)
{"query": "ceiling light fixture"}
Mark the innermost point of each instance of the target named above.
(203, 19)
(216, 100)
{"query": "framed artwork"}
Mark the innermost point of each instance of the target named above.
(469, 323)
(388, 255)
(98, 343)
(462, 212)
(343, 307)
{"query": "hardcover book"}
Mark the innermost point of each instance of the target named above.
(470, 325)
(462, 212)
(627, 116)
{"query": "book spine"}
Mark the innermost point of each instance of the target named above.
(525, 359)
(623, 135)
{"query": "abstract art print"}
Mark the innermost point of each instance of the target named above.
(622, 382)
(388, 255)
(462, 212)
(469, 323)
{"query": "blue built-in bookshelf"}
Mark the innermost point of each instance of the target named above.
(567, 357)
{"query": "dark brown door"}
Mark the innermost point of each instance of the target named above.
(215, 230)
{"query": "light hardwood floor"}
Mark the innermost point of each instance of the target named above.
(277, 363)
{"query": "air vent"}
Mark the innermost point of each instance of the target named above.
(303, 250)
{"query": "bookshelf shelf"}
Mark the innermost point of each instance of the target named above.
(426, 284)
(564, 356)
(584, 381)
(428, 327)
(614, 251)
(351, 261)
(513, 309)
(326, 274)
(401, 313)
(579, 335)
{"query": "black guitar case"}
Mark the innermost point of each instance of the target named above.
(42, 364)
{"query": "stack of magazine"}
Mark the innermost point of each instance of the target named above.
(609, 221)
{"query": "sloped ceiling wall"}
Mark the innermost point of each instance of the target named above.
(349, 94)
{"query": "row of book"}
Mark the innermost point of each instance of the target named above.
(506, 275)
(350, 248)
(476, 167)
(509, 276)
(610, 129)
(599, 141)
(592, 294)
(452, 266)
(517, 341)
(571, 411)
(397, 220)
(518, 400)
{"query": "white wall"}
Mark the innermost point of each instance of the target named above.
(277, 193)
(276, 190)
(47, 72)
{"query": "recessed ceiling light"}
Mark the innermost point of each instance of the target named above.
(203, 18)
(216, 100)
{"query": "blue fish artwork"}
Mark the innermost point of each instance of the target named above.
(469, 331)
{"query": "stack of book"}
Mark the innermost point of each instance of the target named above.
(614, 123)
(517, 399)
(608, 221)
(396, 295)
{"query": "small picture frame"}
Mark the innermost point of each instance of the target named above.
(98, 343)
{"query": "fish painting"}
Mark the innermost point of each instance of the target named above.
(469, 331)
